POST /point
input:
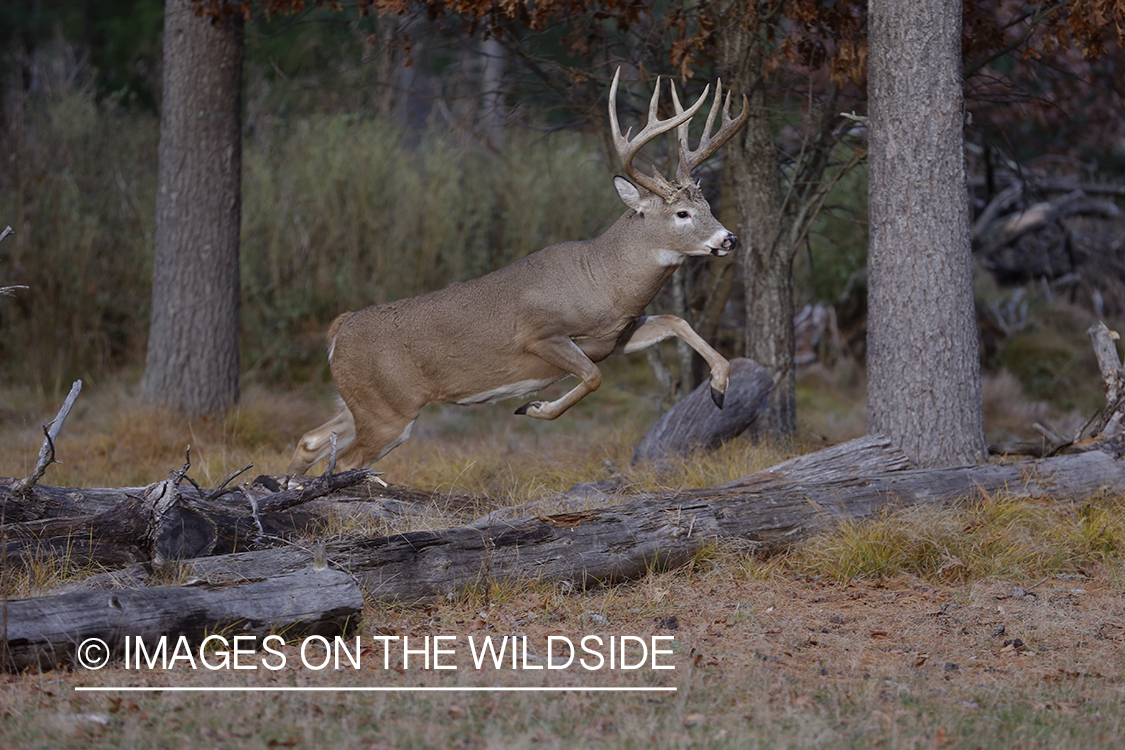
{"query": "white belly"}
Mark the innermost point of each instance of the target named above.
(512, 390)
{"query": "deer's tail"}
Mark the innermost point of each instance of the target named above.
(334, 329)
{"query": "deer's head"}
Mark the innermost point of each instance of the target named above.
(676, 211)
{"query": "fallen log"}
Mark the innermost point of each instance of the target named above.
(107, 539)
(165, 520)
(665, 530)
(864, 456)
(45, 632)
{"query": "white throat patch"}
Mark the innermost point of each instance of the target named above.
(669, 258)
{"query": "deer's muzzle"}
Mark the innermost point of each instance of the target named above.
(730, 243)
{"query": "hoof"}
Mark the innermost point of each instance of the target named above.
(529, 405)
(718, 397)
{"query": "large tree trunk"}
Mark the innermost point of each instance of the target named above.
(923, 367)
(766, 259)
(192, 361)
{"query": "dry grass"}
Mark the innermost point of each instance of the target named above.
(110, 439)
(998, 536)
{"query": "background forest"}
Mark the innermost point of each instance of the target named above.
(393, 151)
(388, 155)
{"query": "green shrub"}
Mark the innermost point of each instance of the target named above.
(78, 187)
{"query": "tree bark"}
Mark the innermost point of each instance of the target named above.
(767, 261)
(923, 366)
(192, 360)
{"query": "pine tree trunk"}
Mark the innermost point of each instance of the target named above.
(766, 258)
(769, 331)
(192, 360)
(923, 364)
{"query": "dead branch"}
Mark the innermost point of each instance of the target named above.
(1113, 380)
(8, 291)
(221, 489)
(47, 452)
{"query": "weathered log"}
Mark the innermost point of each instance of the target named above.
(610, 544)
(45, 632)
(871, 455)
(108, 539)
(166, 520)
(696, 423)
(864, 456)
(45, 501)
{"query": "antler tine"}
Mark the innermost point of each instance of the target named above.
(690, 159)
(683, 175)
(627, 149)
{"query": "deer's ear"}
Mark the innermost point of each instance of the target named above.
(630, 194)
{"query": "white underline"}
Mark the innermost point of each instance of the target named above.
(292, 689)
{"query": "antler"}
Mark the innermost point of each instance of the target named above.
(627, 149)
(689, 159)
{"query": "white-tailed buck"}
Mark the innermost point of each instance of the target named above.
(554, 313)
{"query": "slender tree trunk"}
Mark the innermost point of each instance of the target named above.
(922, 360)
(766, 259)
(769, 330)
(192, 360)
(492, 91)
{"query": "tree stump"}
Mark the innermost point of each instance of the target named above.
(696, 423)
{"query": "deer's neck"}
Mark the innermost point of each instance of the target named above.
(625, 255)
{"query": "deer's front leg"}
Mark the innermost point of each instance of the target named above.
(564, 354)
(652, 329)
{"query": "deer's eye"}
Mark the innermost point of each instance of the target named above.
(682, 214)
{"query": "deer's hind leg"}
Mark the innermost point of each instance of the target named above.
(317, 444)
(377, 433)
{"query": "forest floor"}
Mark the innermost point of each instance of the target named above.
(781, 652)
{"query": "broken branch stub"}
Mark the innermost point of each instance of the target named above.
(1113, 380)
(47, 451)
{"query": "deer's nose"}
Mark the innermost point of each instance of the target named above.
(731, 242)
